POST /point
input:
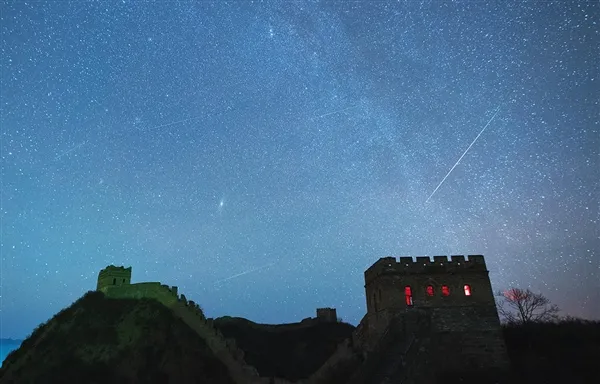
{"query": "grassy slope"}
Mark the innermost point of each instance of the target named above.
(97, 340)
(285, 351)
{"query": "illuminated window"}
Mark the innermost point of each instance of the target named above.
(467, 290)
(445, 290)
(429, 290)
(408, 296)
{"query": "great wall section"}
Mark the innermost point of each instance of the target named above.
(399, 338)
(224, 349)
(191, 314)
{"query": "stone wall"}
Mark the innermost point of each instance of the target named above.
(461, 352)
(464, 319)
(225, 350)
(154, 290)
(449, 332)
(112, 276)
(453, 294)
(386, 281)
(327, 314)
(360, 334)
(344, 359)
(424, 264)
(467, 338)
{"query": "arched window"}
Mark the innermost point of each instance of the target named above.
(123, 281)
(430, 291)
(445, 290)
(115, 281)
(375, 301)
(467, 290)
(408, 296)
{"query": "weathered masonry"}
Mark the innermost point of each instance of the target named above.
(445, 305)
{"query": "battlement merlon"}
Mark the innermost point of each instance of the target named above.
(112, 276)
(113, 269)
(425, 265)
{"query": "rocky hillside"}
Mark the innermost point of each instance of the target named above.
(290, 351)
(99, 340)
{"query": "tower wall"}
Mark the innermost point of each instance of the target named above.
(327, 314)
(387, 279)
(112, 276)
(464, 325)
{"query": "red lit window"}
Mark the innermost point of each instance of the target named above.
(408, 296)
(429, 290)
(467, 290)
(445, 290)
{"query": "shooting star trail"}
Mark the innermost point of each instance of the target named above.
(463, 155)
(334, 112)
(244, 273)
(70, 150)
(172, 123)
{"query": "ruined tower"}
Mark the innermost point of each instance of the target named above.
(327, 315)
(112, 276)
(452, 296)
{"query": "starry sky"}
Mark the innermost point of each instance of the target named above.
(262, 155)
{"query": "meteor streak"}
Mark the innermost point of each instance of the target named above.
(70, 150)
(334, 112)
(243, 273)
(172, 123)
(463, 155)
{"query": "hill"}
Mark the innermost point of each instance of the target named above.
(561, 352)
(7, 346)
(290, 351)
(100, 340)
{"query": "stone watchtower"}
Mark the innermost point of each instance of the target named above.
(328, 315)
(454, 297)
(112, 276)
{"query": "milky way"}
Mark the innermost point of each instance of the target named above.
(196, 141)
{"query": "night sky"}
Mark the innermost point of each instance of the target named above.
(262, 155)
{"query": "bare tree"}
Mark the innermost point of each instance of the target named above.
(516, 305)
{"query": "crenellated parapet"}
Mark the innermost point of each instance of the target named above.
(452, 294)
(171, 290)
(425, 265)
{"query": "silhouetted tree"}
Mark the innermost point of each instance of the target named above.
(523, 306)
